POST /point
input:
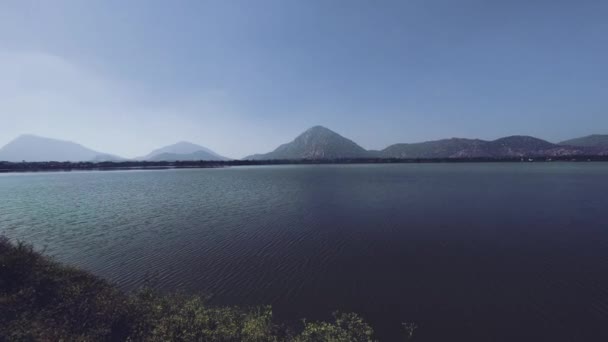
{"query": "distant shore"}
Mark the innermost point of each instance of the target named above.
(6, 167)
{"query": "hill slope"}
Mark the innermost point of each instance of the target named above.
(446, 148)
(526, 146)
(317, 142)
(594, 140)
(198, 155)
(182, 151)
(507, 147)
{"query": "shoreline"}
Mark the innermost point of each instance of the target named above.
(46, 300)
(25, 167)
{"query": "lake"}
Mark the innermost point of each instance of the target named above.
(475, 252)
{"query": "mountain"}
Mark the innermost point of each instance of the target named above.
(507, 147)
(594, 140)
(198, 155)
(446, 148)
(33, 148)
(317, 142)
(526, 146)
(104, 157)
(321, 143)
(182, 151)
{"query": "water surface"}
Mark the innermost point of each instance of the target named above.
(476, 252)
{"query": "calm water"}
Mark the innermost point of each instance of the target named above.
(476, 252)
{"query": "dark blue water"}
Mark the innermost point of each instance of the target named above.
(475, 252)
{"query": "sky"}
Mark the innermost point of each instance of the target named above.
(242, 77)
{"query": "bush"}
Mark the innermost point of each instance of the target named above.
(348, 327)
(41, 299)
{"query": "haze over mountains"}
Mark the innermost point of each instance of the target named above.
(182, 150)
(33, 148)
(318, 142)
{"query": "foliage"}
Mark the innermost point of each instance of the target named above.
(348, 327)
(43, 300)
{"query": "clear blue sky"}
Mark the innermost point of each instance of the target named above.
(241, 77)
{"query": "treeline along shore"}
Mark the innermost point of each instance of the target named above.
(159, 165)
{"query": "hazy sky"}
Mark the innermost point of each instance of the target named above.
(241, 77)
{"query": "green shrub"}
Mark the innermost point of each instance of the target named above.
(348, 327)
(43, 300)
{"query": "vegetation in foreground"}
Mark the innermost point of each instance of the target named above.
(41, 300)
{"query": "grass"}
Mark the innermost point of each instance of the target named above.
(42, 300)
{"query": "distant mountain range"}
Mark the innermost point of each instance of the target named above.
(319, 142)
(32, 148)
(513, 146)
